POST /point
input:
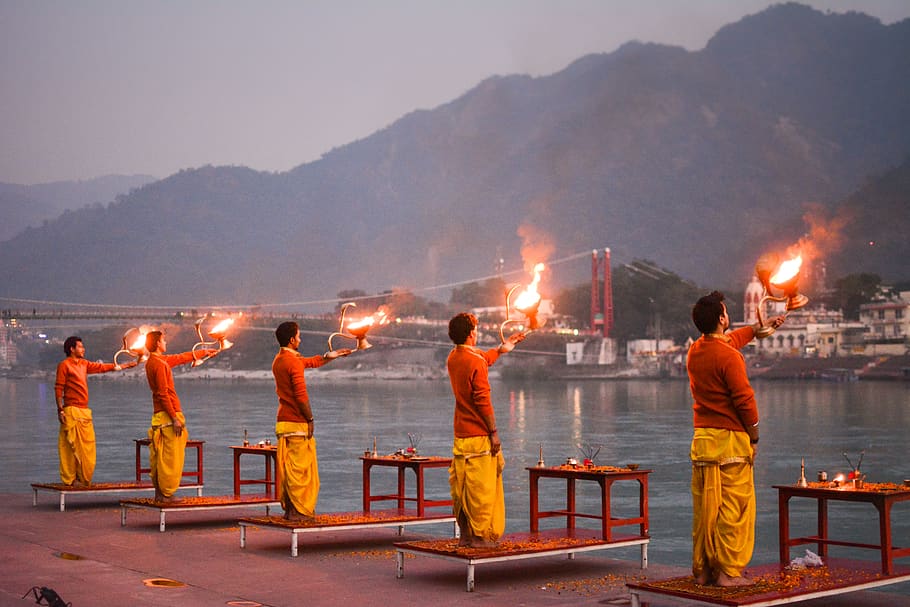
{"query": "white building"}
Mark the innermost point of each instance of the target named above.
(809, 331)
(888, 323)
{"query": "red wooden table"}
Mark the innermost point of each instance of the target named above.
(197, 473)
(603, 477)
(270, 453)
(882, 499)
(418, 465)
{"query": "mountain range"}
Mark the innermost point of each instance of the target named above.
(26, 206)
(790, 127)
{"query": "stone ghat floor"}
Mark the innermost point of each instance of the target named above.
(89, 559)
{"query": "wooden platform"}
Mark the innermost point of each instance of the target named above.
(774, 585)
(518, 546)
(340, 521)
(98, 489)
(188, 504)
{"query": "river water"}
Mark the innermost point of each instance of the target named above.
(645, 422)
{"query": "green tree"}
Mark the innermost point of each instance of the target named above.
(853, 290)
(486, 294)
(648, 303)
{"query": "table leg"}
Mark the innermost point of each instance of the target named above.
(644, 528)
(399, 564)
(200, 464)
(823, 526)
(236, 473)
(268, 474)
(570, 504)
(532, 499)
(400, 488)
(783, 527)
(419, 472)
(884, 531)
(366, 485)
(606, 532)
(138, 462)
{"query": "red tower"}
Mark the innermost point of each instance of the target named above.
(596, 318)
(601, 310)
(608, 295)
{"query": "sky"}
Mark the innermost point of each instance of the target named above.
(91, 88)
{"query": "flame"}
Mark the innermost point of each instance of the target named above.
(380, 317)
(787, 270)
(529, 298)
(139, 343)
(222, 327)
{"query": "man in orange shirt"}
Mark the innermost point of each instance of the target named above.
(76, 439)
(297, 466)
(167, 434)
(724, 445)
(475, 476)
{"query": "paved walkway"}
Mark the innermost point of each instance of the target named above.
(90, 560)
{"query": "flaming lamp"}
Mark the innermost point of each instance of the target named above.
(527, 302)
(783, 276)
(134, 346)
(358, 329)
(218, 334)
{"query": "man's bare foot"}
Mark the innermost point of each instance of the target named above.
(160, 497)
(481, 543)
(725, 581)
(294, 516)
(703, 579)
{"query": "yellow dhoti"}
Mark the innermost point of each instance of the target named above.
(166, 453)
(76, 445)
(723, 502)
(298, 469)
(475, 480)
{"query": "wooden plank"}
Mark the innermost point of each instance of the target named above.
(517, 546)
(188, 504)
(98, 489)
(341, 521)
(774, 585)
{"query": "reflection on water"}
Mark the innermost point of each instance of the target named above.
(645, 422)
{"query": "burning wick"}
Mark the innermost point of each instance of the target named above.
(785, 277)
(218, 333)
(527, 303)
(136, 348)
(357, 329)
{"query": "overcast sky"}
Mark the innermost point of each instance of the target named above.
(91, 88)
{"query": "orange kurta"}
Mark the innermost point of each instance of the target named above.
(71, 385)
(161, 381)
(470, 381)
(723, 396)
(290, 384)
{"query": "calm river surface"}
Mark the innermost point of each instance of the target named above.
(646, 422)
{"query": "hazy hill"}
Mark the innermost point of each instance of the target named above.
(25, 206)
(699, 161)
